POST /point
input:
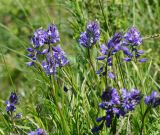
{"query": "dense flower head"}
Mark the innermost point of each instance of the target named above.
(49, 36)
(39, 38)
(50, 57)
(53, 34)
(55, 58)
(133, 37)
(10, 104)
(38, 131)
(10, 107)
(91, 36)
(130, 99)
(116, 106)
(13, 98)
(153, 99)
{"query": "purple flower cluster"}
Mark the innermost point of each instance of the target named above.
(153, 99)
(116, 106)
(11, 105)
(133, 37)
(130, 99)
(49, 36)
(44, 52)
(38, 131)
(127, 43)
(91, 36)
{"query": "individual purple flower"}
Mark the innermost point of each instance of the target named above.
(133, 37)
(127, 59)
(18, 116)
(130, 99)
(100, 70)
(30, 63)
(52, 34)
(39, 38)
(143, 60)
(38, 131)
(139, 53)
(91, 36)
(10, 107)
(126, 51)
(32, 133)
(97, 128)
(111, 75)
(153, 99)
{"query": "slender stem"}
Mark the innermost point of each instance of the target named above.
(103, 14)
(120, 70)
(143, 119)
(152, 36)
(90, 60)
(134, 14)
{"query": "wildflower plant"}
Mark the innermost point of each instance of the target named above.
(45, 50)
(99, 83)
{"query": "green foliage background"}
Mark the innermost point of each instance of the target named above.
(74, 114)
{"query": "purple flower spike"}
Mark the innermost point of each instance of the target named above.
(91, 36)
(153, 99)
(13, 98)
(10, 104)
(133, 37)
(53, 34)
(130, 99)
(39, 38)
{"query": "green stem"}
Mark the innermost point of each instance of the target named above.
(143, 119)
(103, 14)
(90, 60)
(152, 36)
(54, 98)
(120, 70)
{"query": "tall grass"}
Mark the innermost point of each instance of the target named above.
(42, 100)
